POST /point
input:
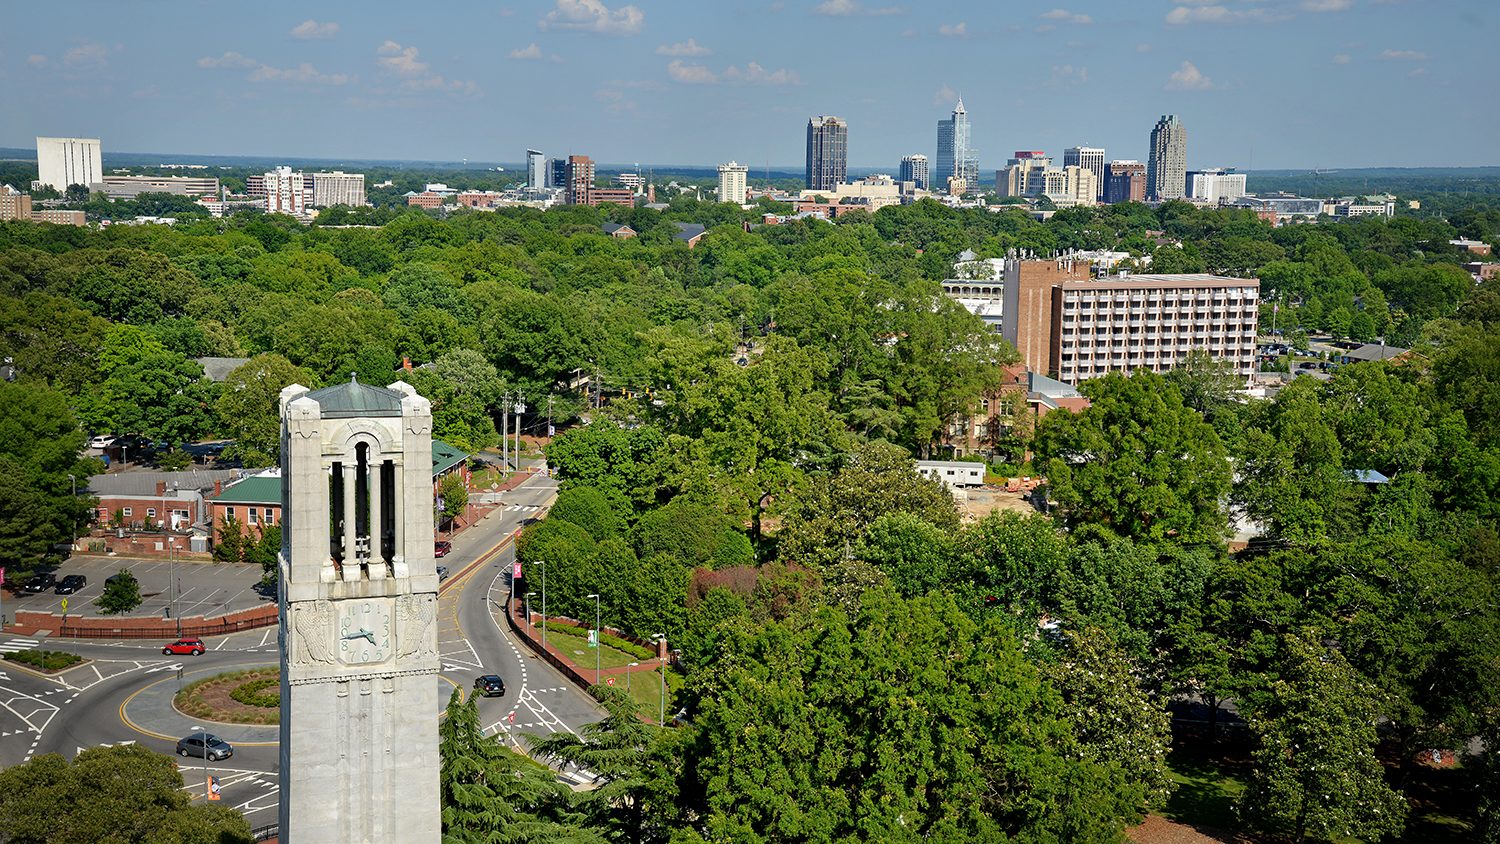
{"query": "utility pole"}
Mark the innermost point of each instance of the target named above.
(598, 642)
(544, 604)
(520, 409)
(549, 415)
(504, 431)
(661, 646)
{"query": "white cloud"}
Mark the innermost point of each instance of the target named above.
(311, 29)
(36, 60)
(954, 30)
(849, 8)
(1341, 58)
(683, 48)
(754, 74)
(692, 74)
(304, 73)
(1326, 5)
(1067, 17)
(88, 54)
(1421, 71)
(399, 59)
(1189, 78)
(1220, 14)
(1403, 55)
(944, 95)
(1067, 74)
(230, 59)
(593, 16)
(530, 51)
(1144, 48)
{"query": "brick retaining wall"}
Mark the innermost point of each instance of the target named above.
(146, 627)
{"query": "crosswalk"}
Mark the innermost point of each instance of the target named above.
(523, 508)
(15, 646)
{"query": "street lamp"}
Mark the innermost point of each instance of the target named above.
(73, 482)
(198, 729)
(544, 604)
(627, 676)
(598, 641)
(661, 648)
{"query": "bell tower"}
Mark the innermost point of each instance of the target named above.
(358, 601)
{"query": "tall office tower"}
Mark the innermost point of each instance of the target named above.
(1090, 157)
(914, 169)
(1166, 170)
(827, 152)
(68, 161)
(580, 179)
(955, 156)
(536, 169)
(286, 192)
(358, 612)
(1079, 186)
(557, 173)
(1216, 185)
(1126, 182)
(732, 178)
(338, 188)
(1023, 175)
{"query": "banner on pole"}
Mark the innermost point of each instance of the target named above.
(213, 788)
(593, 638)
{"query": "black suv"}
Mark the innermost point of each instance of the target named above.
(40, 583)
(490, 685)
(70, 584)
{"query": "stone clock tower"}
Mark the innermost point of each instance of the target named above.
(359, 658)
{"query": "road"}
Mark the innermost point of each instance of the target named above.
(123, 694)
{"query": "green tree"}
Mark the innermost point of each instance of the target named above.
(40, 446)
(589, 508)
(455, 494)
(1137, 463)
(1314, 775)
(264, 551)
(124, 793)
(490, 793)
(249, 406)
(916, 555)
(230, 548)
(122, 593)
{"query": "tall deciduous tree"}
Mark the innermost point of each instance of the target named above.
(1315, 775)
(1137, 463)
(40, 446)
(249, 405)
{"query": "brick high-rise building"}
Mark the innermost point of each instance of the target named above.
(14, 204)
(827, 152)
(1166, 170)
(1126, 182)
(580, 179)
(1026, 314)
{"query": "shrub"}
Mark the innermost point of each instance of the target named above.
(254, 693)
(46, 660)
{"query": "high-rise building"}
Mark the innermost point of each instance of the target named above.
(14, 204)
(1166, 169)
(557, 173)
(338, 188)
(827, 152)
(61, 162)
(732, 182)
(536, 169)
(1217, 185)
(286, 192)
(1090, 157)
(955, 156)
(358, 616)
(1126, 182)
(1022, 174)
(1080, 187)
(580, 179)
(914, 170)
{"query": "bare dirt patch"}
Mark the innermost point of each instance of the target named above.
(975, 503)
(1158, 830)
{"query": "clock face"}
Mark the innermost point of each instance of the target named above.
(364, 632)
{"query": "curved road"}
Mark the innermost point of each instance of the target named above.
(123, 694)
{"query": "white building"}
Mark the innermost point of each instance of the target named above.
(732, 182)
(1215, 186)
(536, 169)
(1090, 157)
(61, 162)
(338, 188)
(953, 473)
(286, 192)
(129, 187)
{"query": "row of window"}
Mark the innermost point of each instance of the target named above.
(129, 512)
(253, 516)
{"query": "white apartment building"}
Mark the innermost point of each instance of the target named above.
(1149, 321)
(1215, 186)
(286, 192)
(338, 188)
(732, 182)
(61, 162)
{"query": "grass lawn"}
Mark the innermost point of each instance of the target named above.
(645, 689)
(573, 642)
(1206, 789)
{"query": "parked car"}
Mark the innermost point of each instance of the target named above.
(441, 548)
(204, 746)
(70, 584)
(101, 442)
(489, 685)
(442, 572)
(40, 582)
(114, 578)
(184, 646)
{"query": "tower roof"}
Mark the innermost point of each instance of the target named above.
(356, 399)
(959, 109)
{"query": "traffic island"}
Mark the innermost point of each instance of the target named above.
(45, 662)
(251, 697)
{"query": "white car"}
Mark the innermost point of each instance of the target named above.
(101, 442)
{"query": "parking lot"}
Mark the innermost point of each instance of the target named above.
(202, 588)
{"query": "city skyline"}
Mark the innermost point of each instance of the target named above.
(618, 80)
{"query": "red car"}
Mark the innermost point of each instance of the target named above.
(184, 646)
(441, 547)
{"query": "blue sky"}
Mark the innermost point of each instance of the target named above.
(1258, 83)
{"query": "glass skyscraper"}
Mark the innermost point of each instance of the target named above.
(955, 155)
(1166, 170)
(827, 152)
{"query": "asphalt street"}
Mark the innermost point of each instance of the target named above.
(123, 694)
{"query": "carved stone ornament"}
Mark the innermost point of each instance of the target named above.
(415, 614)
(313, 623)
